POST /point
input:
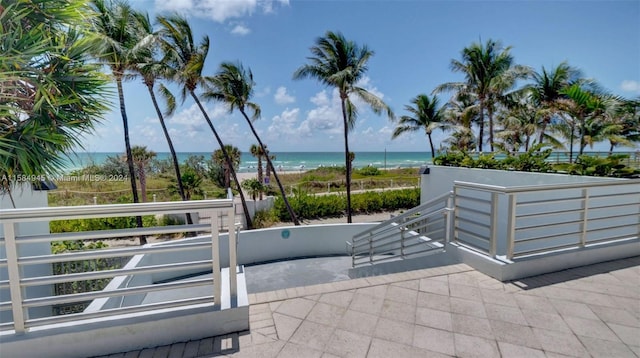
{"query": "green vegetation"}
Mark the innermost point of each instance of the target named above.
(309, 206)
(536, 160)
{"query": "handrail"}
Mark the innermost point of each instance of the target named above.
(16, 259)
(543, 187)
(403, 236)
(404, 215)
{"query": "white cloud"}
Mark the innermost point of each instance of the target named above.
(630, 86)
(240, 30)
(282, 97)
(219, 10)
(284, 124)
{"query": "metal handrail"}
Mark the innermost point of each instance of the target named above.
(14, 262)
(392, 236)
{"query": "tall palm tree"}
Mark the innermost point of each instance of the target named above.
(219, 158)
(118, 29)
(50, 95)
(340, 63)
(150, 69)
(256, 151)
(187, 60)
(141, 159)
(489, 71)
(546, 91)
(426, 114)
(234, 85)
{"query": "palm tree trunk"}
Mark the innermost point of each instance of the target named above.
(143, 184)
(260, 172)
(127, 144)
(481, 125)
(346, 157)
(543, 128)
(247, 216)
(433, 151)
(174, 157)
(571, 144)
(490, 114)
(294, 218)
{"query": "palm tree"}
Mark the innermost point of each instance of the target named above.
(627, 118)
(256, 151)
(117, 27)
(187, 61)
(233, 85)
(141, 159)
(425, 115)
(546, 91)
(489, 71)
(150, 69)
(340, 63)
(219, 158)
(50, 96)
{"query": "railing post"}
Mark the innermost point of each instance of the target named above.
(448, 218)
(215, 259)
(19, 313)
(371, 248)
(233, 262)
(511, 225)
(493, 235)
(402, 237)
(585, 216)
(454, 234)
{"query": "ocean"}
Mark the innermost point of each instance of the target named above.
(285, 161)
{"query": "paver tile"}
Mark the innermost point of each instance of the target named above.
(385, 349)
(550, 321)
(560, 342)
(435, 340)
(411, 284)
(599, 348)
(401, 294)
(340, 298)
(326, 314)
(475, 347)
(434, 301)
(266, 350)
(162, 352)
(433, 285)
(348, 344)
(366, 303)
(398, 311)
(468, 307)
(473, 326)
(311, 334)
(396, 331)
(434, 318)
(591, 328)
(297, 307)
(615, 315)
(629, 335)
(513, 350)
(464, 291)
(358, 322)
(292, 350)
(514, 334)
(573, 309)
(379, 290)
(505, 314)
(285, 325)
(176, 349)
(539, 304)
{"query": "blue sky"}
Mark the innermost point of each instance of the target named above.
(413, 41)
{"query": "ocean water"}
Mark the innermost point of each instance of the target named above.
(285, 161)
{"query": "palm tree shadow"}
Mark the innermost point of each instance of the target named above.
(567, 275)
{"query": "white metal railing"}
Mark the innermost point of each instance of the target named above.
(415, 232)
(512, 222)
(18, 261)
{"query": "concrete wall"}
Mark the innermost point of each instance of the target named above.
(440, 179)
(25, 197)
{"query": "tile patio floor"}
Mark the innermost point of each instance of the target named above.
(590, 311)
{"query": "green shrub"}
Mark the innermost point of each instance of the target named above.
(369, 171)
(93, 224)
(265, 218)
(610, 166)
(311, 207)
